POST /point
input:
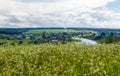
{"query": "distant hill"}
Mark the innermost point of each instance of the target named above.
(23, 30)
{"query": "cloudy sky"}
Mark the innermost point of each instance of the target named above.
(60, 13)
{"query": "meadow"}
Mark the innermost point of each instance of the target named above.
(37, 31)
(49, 30)
(60, 60)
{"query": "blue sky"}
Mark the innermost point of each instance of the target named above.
(115, 6)
(60, 13)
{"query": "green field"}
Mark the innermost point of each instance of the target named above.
(60, 60)
(56, 30)
(50, 30)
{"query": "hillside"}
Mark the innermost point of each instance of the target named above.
(38, 31)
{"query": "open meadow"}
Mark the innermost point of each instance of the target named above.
(38, 31)
(60, 60)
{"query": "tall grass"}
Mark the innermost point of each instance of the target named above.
(60, 60)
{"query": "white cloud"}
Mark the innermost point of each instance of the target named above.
(60, 13)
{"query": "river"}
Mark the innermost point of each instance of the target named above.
(86, 41)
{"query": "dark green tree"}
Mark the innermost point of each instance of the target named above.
(109, 39)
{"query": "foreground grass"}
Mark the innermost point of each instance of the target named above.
(60, 60)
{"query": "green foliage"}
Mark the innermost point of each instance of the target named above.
(60, 60)
(20, 42)
(108, 39)
(75, 40)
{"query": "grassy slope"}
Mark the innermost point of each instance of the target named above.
(60, 60)
(57, 30)
(49, 30)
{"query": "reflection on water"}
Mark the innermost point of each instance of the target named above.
(87, 41)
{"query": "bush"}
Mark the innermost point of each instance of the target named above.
(20, 42)
(109, 39)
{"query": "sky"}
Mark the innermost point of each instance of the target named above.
(60, 13)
